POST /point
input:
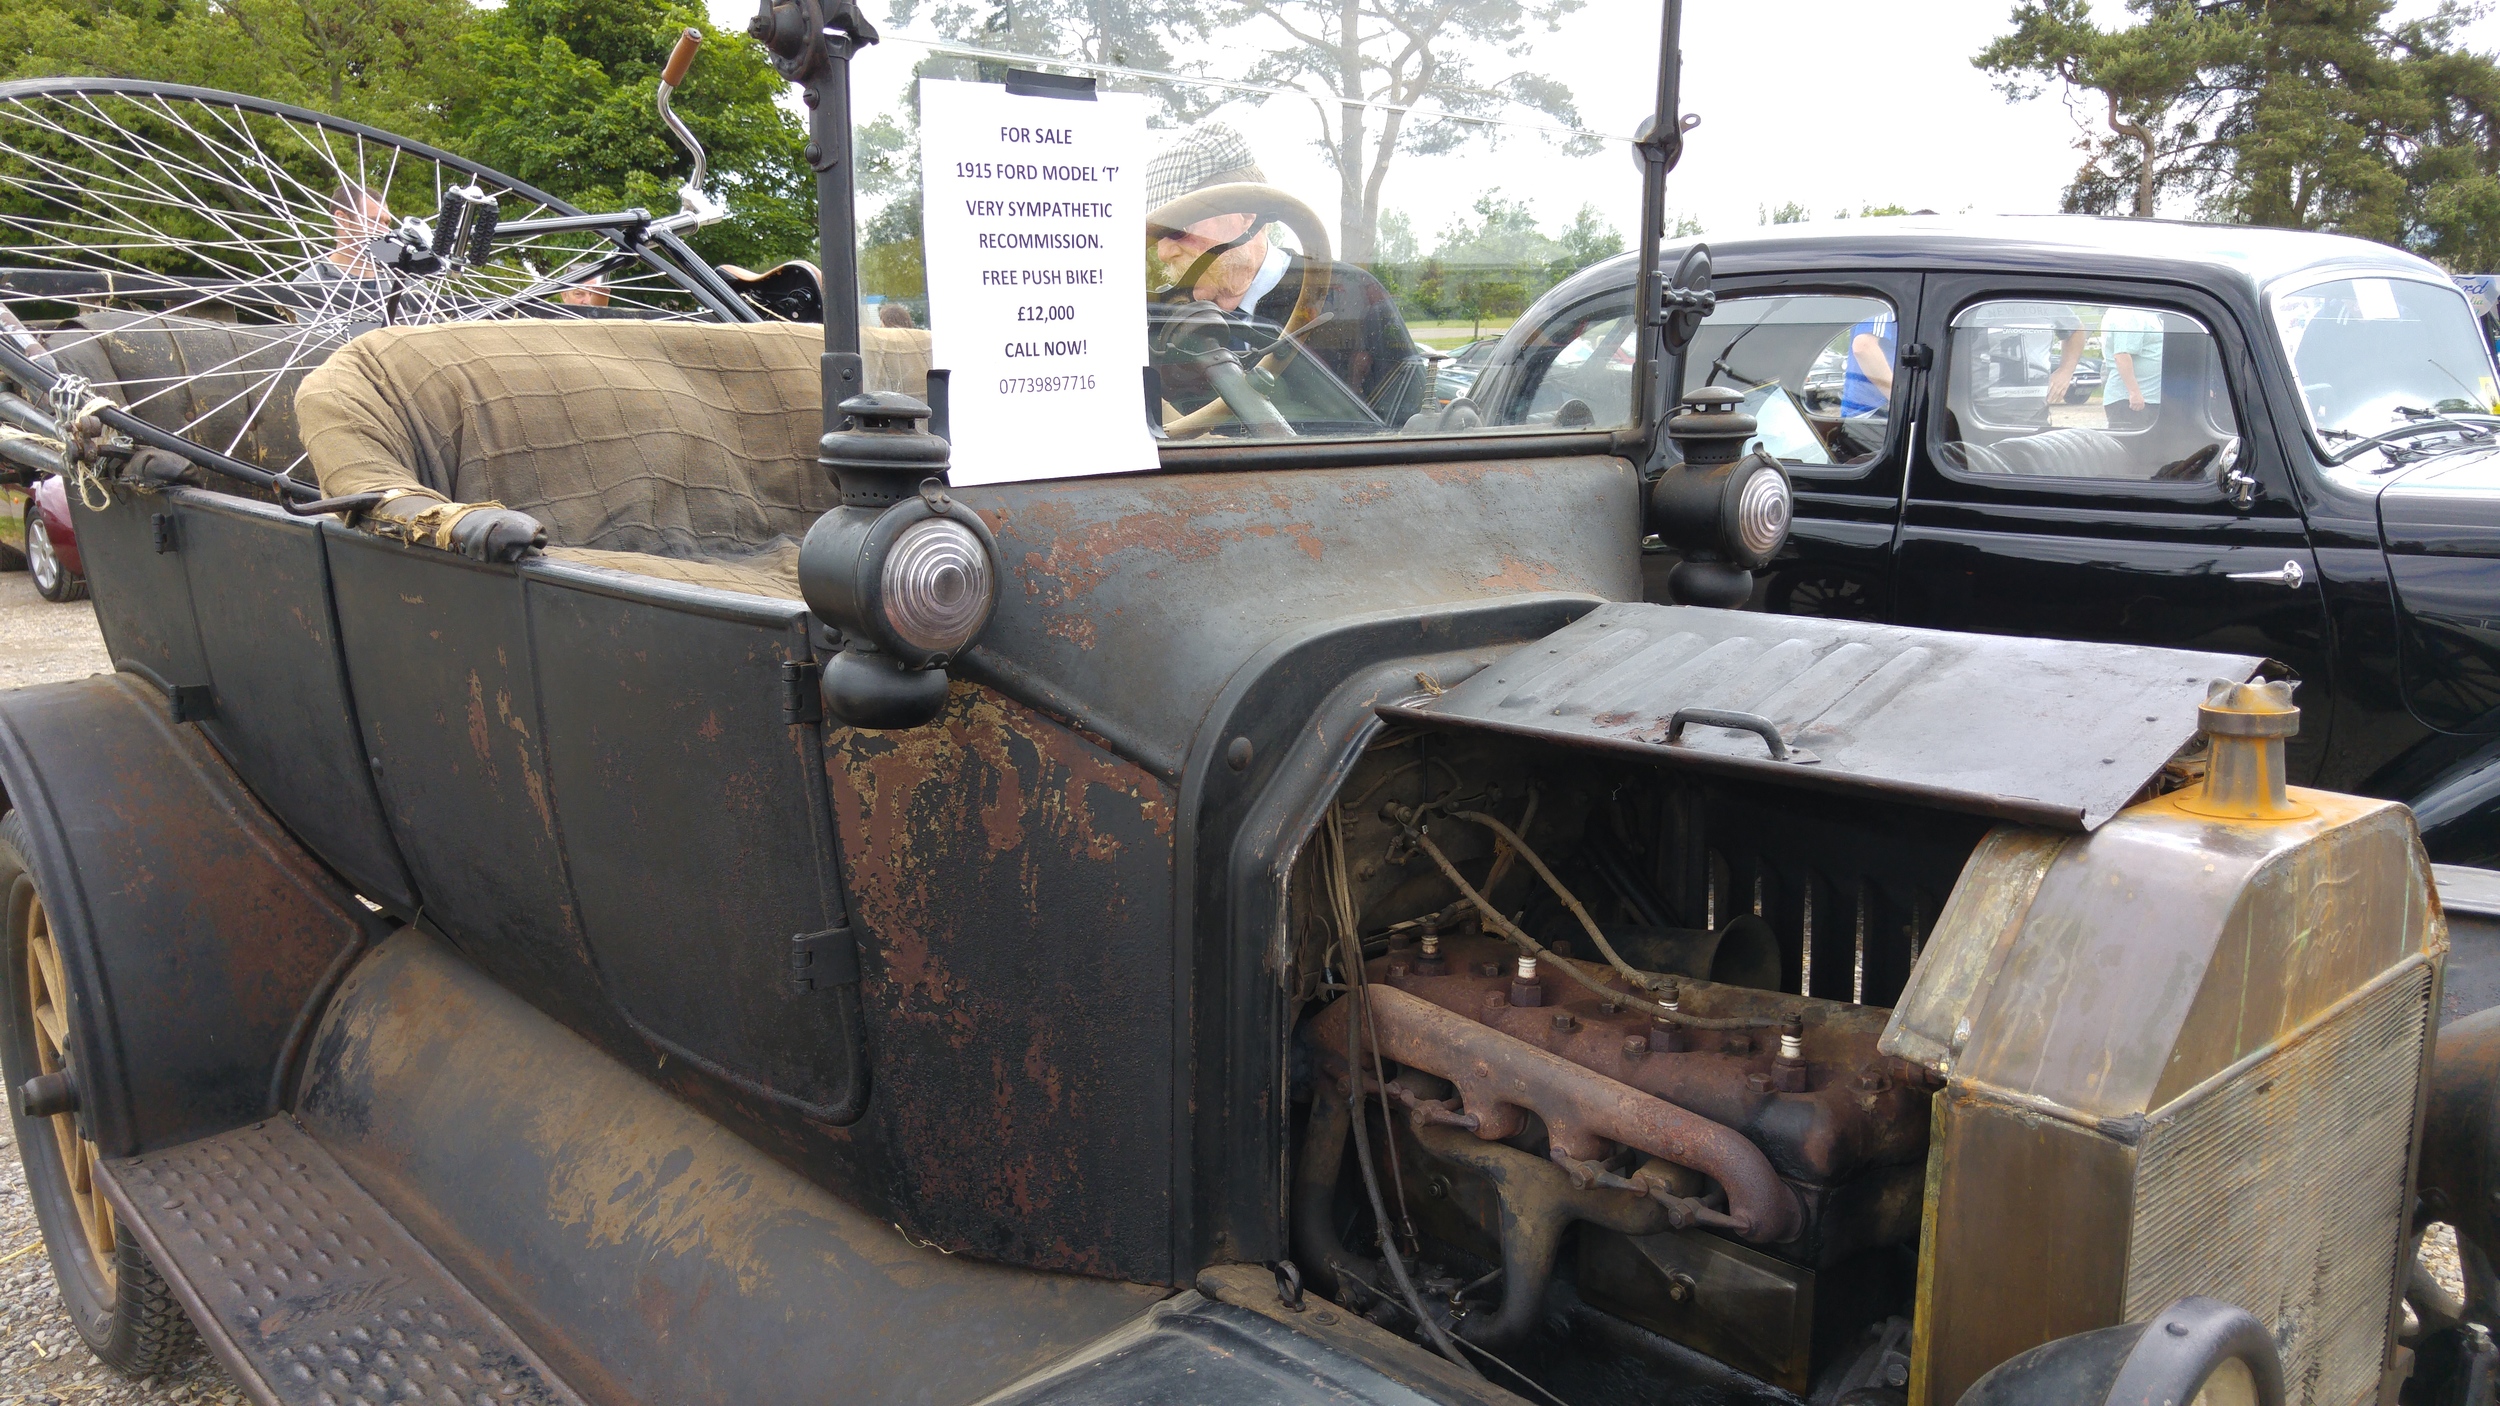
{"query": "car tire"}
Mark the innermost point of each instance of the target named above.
(113, 1295)
(54, 581)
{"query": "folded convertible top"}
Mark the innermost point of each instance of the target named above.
(2050, 732)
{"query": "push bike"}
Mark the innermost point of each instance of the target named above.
(174, 259)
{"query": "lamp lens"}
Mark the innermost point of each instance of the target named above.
(1762, 515)
(937, 586)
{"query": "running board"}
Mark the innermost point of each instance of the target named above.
(308, 1291)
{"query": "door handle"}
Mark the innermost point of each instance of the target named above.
(2289, 576)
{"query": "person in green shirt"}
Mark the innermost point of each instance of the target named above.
(2131, 340)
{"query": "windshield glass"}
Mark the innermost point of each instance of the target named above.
(1303, 266)
(2379, 354)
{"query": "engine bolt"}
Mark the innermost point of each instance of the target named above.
(1759, 1083)
(1738, 1044)
(1566, 1021)
(1398, 970)
(1635, 1045)
(1488, 969)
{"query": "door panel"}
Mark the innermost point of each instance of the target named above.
(2084, 515)
(696, 828)
(438, 652)
(283, 717)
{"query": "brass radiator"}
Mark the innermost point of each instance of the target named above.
(2182, 1056)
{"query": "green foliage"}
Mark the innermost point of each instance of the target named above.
(383, 62)
(1787, 212)
(2306, 114)
(558, 93)
(1489, 266)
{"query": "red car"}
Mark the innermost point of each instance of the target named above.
(51, 546)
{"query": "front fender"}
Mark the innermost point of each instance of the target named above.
(199, 940)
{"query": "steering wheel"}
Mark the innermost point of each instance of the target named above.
(1238, 397)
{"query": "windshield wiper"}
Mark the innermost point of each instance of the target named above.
(2393, 438)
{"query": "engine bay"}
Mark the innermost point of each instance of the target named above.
(1595, 1045)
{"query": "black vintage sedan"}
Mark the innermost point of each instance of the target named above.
(2262, 441)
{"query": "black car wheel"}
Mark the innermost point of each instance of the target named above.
(1830, 597)
(112, 1293)
(53, 581)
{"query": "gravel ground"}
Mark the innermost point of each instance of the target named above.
(44, 643)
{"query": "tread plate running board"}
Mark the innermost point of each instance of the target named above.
(307, 1288)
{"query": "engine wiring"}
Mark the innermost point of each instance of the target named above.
(1359, 1034)
(1493, 917)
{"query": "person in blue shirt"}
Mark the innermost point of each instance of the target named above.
(1866, 385)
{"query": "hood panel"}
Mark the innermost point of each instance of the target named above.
(2050, 732)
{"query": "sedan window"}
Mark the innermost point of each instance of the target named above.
(2085, 390)
(1815, 370)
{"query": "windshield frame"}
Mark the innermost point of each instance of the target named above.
(2291, 285)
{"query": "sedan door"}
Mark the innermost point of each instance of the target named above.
(2093, 461)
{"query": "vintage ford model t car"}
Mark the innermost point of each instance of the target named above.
(2193, 435)
(641, 889)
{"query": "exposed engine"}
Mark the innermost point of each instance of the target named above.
(1550, 1007)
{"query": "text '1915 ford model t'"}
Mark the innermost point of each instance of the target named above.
(661, 879)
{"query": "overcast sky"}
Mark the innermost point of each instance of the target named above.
(1833, 104)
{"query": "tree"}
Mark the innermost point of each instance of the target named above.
(558, 94)
(384, 62)
(2147, 78)
(2306, 114)
(1396, 60)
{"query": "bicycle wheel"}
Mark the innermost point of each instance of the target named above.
(191, 254)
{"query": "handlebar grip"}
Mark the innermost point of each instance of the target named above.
(681, 58)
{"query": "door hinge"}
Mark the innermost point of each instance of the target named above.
(1917, 356)
(800, 700)
(821, 959)
(161, 532)
(191, 703)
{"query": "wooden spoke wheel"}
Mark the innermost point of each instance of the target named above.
(47, 1005)
(122, 1308)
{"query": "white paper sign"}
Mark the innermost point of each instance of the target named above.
(1033, 228)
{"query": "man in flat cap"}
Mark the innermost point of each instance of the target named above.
(1209, 212)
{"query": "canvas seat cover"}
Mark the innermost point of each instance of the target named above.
(685, 451)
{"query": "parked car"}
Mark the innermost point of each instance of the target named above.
(51, 550)
(2312, 475)
(1456, 372)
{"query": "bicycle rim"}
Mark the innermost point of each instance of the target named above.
(191, 254)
